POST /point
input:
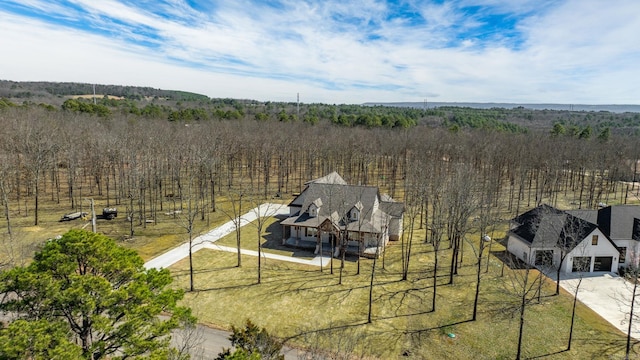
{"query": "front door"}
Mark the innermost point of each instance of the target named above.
(602, 263)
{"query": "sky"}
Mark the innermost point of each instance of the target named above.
(334, 51)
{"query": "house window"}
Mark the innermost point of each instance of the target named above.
(311, 232)
(594, 240)
(544, 257)
(623, 254)
(354, 214)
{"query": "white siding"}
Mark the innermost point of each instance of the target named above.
(395, 227)
(586, 249)
(519, 248)
(632, 247)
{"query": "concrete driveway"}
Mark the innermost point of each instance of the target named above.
(207, 241)
(608, 295)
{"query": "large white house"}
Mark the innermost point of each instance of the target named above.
(351, 218)
(577, 240)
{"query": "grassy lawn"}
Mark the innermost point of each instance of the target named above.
(149, 240)
(271, 240)
(308, 307)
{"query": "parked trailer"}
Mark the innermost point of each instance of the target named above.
(73, 216)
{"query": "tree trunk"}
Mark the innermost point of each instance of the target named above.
(475, 300)
(191, 288)
(5, 201)
(435, 277)
(573, 313)
(373, 271)
(633, 300)
(523, 303)
(37, 193)
(259, 251)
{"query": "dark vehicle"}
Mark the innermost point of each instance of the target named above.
(109, 213)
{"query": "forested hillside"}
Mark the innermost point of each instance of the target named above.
(187, 107)
(49, 90)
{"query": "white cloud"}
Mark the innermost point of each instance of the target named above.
(575, 52)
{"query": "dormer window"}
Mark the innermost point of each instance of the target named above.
(355, 211)
(314, 208)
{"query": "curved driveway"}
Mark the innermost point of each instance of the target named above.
(207, 241)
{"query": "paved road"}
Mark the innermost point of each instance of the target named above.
(608, 295)
(208, 342)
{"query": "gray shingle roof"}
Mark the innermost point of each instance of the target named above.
(620, 221)
(547, 227)
(332, 178)
(335, 199)
(340, 198)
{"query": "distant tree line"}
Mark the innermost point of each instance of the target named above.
(186, 107)
(230, 109)
(28, 89)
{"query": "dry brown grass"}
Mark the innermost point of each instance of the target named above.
(304, 305)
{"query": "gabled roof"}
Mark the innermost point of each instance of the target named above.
(535, 214)
(340, 198)
(393, 208)
(332, 178)
(588, 215)
(620, 221)
(335, 199)
(546, 226)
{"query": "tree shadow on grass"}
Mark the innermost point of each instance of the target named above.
(548, 355)
(607, 347)
(326, 330)
(201, 271)
(230, 287)
(509, 260)
(440, 327)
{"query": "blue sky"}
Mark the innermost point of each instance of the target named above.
(523, 51)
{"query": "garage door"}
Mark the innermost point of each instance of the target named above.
(581, 263)
(602, 263)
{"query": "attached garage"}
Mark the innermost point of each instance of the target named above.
(602, 263)
(581, 263)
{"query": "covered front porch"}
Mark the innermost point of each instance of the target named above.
(312, 245)
(356, 248)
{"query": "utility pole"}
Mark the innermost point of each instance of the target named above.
(93, 217)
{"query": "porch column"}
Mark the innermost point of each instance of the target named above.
(284, 234)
